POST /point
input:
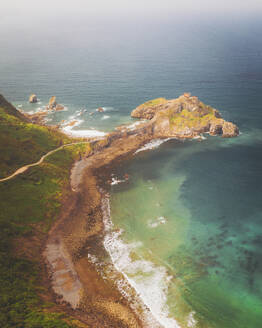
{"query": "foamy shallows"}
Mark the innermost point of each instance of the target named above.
(116, 181)
(73, 121)
(105, 117)
(148, 280)
(152, 144)
(83, 133)
(201, 137)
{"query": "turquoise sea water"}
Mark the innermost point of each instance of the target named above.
(192, 209)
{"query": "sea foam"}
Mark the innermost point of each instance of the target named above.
(105, 117)
(83, 133)
(148, 280)
(88, 133)
(152, 144)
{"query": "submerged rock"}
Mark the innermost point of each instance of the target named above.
(100, 109)
(33, 99)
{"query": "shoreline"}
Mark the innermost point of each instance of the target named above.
(71, 244)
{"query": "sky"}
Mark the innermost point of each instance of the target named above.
(48, 8)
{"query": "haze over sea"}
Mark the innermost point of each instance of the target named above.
(191, 212)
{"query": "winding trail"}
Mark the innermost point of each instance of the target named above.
(26, 167)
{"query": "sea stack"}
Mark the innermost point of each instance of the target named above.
(33, 99)
(52, 103)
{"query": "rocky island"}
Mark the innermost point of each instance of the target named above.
(70, 239)
(184, 117)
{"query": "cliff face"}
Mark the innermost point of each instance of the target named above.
(185, 117)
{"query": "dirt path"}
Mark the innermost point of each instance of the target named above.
(26, 167)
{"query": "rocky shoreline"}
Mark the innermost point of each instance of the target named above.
(75, 243)
(79, 236)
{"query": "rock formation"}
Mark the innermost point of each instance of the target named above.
(184, 117)
(100, 109)
(33, 99)
(53, 104)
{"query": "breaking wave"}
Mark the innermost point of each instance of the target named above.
(152, 144)
(148, 280)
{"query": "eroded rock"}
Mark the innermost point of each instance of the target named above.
(229, 130)
(53, 105)
(33, 99)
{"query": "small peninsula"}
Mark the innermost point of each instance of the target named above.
(184, 117)
(55, 230)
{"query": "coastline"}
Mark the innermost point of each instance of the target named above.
(79, 234)
(76, 253)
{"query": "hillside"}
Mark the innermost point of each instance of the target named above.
(29, 204)
(22, 142)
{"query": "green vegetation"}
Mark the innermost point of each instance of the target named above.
(191, 119)
(23, 143)
(29, 203)
(153, 102)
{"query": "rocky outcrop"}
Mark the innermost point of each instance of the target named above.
(53, 105)
(33, 99)
(100, 109)
(224, 128)
(149, 109)
(229, 130)
(184, 117)
(216, 129)
(59, 107)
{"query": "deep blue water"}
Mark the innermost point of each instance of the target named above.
(216, 191)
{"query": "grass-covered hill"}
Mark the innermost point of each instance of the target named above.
(29, 205)
(22, 142)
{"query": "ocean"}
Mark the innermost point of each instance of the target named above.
(191, 212)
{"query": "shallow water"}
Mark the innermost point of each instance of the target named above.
(210, 240)
(191, 209)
